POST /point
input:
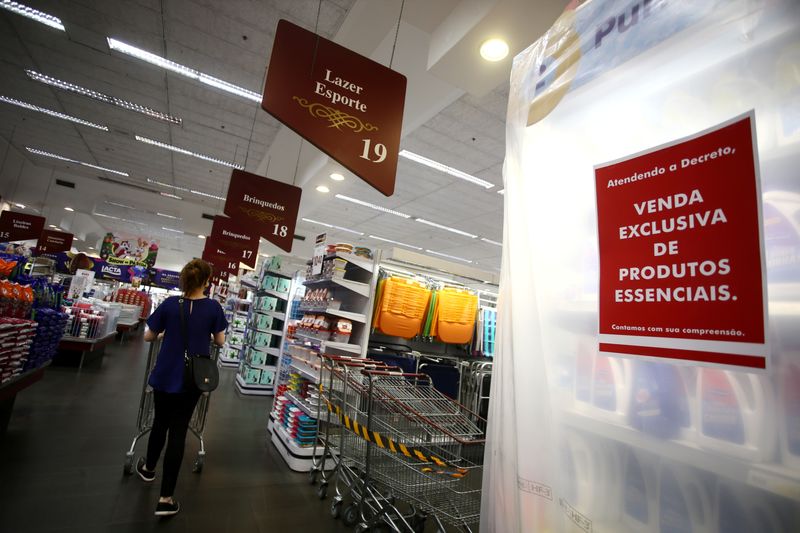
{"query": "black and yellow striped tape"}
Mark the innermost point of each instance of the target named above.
(387, 443)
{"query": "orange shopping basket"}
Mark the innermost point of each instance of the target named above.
(456, 312)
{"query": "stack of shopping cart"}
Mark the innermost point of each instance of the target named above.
(397, 451)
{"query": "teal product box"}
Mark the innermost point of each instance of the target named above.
(237, 338)
(284, 285)
(263, 322)
(267, 303)
(230, 352)
(256, 357)
(261, 339)
(269, 283)
(252, 375)
(239, 321)
(275, 263)
(267, 377)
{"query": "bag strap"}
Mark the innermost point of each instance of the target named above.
(183, 329)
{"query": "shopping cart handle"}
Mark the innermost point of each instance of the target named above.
(367, 372)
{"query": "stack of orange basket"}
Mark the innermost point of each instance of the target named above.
(402, 307)
(455, 315)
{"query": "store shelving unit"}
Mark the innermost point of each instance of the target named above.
(261, 352)
(351, 295)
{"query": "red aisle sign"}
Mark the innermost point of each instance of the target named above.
(52, 242)
(227, 233)
(266, 207)
(681, 253)
(220, 262)
(20, 226)
(345, 104)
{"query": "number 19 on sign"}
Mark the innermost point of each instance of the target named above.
(378, 151)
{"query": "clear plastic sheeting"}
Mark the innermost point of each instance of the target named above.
(583, 442)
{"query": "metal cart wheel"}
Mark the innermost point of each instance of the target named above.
(362, 528)
(322, 491)
(313, 475)
(351, 516)
(336, 508)
(127, 468)
(197, 467)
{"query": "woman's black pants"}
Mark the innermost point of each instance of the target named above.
(173, 411)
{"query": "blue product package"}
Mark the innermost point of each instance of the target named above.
(674, 514)
(659, 406)
(635, 497)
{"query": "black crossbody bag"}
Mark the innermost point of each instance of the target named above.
(199, 371)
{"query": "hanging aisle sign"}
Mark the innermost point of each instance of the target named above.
(681, 251)
(227, 233)
(20, 226)
(268, 208)
(345, 104)
(53, 242)
(221, 262)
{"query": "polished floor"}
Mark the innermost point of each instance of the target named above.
(62, 457)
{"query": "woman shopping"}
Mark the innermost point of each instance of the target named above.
(174, 400)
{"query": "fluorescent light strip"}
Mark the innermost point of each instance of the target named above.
(119, 205)
(188, 152)
(395, 242)
(501, 191)
(120, 219)
(449, 256)
(446, 228)
(113, 100)
(33, 14)
(175, 187)
(169, 195)
(372, 206)
(332, 226)
(490, 241)
(62, 158)
(20, 103)
(171, 229)
(183, 70)
(168, 216)
(208, 195)
(441, 167)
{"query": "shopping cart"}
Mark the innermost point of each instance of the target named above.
(336, 381)
(144, 420)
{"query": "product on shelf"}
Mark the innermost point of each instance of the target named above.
(401, 309)
(91, 319)
(133, 297)
(16, 337)
(50, 326)
(15, 300)
(342, 331)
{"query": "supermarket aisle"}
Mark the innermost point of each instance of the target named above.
(61, 461)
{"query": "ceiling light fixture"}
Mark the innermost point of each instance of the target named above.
(119, 204)
(332, 226)
(177, 68)
(188, 152)
(21, 206)
(501, 191)
(168, 195)
(448, 256)
(172, 229)
(208, 195)
(201, 236)
(151, 180)
(91, 247)
(494, 50)
(323, 189)
(83, 91)
(64, 116)
(67, 159)
(484, 239)
(69, 209)
(441, 167)
(395, 242)
(33, 14)
(446, 228)
(336, 176)
(168, 216)
(372, 206)
(53, 226)
(107, 216)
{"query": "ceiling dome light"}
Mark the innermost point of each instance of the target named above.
(323, 188)
(21, 206)
(201, 236)
(337, 176)
(494, 50)
(68, 209)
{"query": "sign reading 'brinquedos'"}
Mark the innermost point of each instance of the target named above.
(681, 251)
(345, 104)
(267, 208)
(227, 233)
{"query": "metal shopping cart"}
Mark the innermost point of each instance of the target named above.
(406, 453)
(144, 420)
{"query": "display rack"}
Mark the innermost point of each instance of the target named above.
(339, 296)
(263, 340)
